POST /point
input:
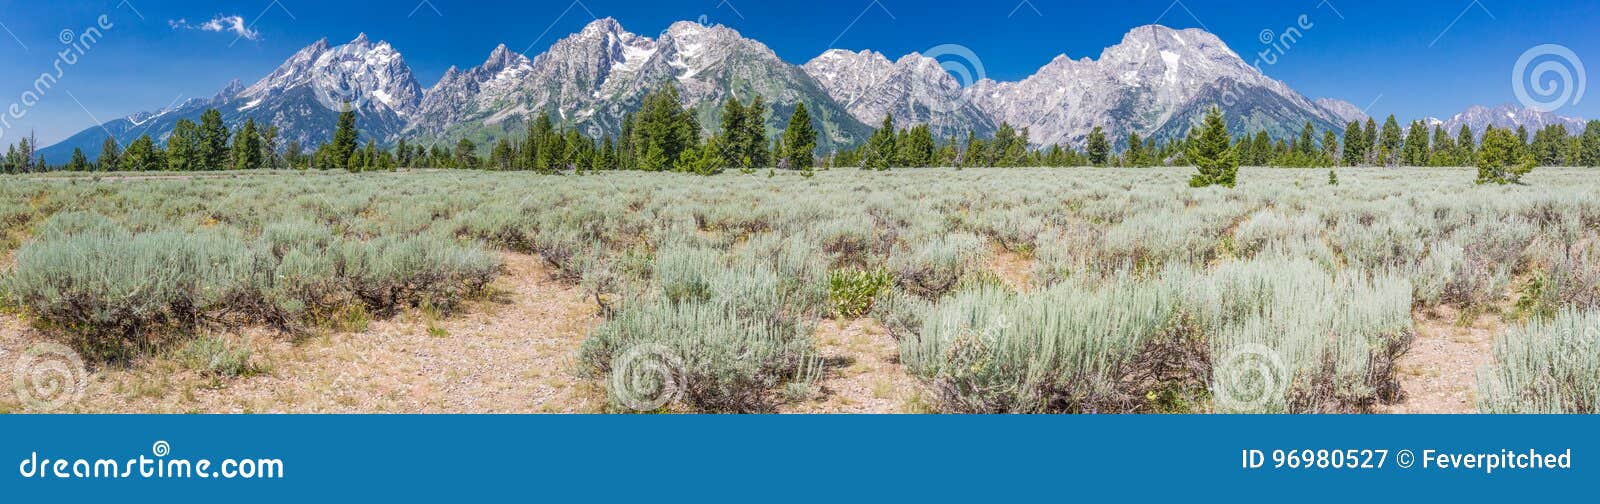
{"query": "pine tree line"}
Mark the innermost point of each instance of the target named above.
(663, 135)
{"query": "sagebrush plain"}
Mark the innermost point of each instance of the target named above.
(922, 290)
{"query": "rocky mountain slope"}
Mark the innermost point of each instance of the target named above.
(1507, 116)
(301, 97)
(591, 79)
(916, 89)
(1157, 82)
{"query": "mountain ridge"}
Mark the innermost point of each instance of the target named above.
(1155, 82)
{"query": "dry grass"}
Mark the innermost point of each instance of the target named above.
(512, 353)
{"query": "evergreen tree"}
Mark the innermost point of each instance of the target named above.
(294, 156)
(916, 147)
(108, 155)
(800, 140)
(880, 149)
(140, 156)
(1389, 144)
(1589, 145)
(213, 141)
(1369, 143)
(1444, 151)
(184, 152)
(575, 150)
(1213, 154)
(247, 147)
(79, 161)
(1500, 160)
(1330, 148)
(466, 154)
(1415, 150)
(501, 157)
(404, 156)
(539, 151)
(25, 151)
(269, 148)
(735, 140)
(949, 153)
(1099, 149)
(704, 160)
(755, 134)
(1261, 147)
(608, 155)
(1003, 149)
(626, 148)
(1135, 154)
(1306, 147)
(664, 130)
(345, 140)
(1352, 144)
(1465, 143)
(1550, 145)
(977, 154)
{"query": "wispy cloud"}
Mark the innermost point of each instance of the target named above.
(233, 24)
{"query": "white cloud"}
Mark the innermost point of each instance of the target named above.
(234, 24)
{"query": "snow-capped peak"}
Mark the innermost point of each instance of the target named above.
(360, 71)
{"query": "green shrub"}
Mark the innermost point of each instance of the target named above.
(218, 357)
(933, 267)
(1545, 366)
(1068, 348)
(851, 292)
(112, 292)
(390, 273)
(726, 337)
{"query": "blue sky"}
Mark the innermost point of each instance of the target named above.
(1409, 58)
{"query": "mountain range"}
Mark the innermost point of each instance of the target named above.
(1507, 116)
(1157, 82)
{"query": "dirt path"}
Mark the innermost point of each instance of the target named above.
(1439, 373)
(861, 374)
(510, 354)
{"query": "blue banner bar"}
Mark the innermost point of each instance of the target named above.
(807, 458)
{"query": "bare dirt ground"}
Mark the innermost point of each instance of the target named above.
(511, 353)
(1439, 372)
(861, 374)
(1016, 269)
